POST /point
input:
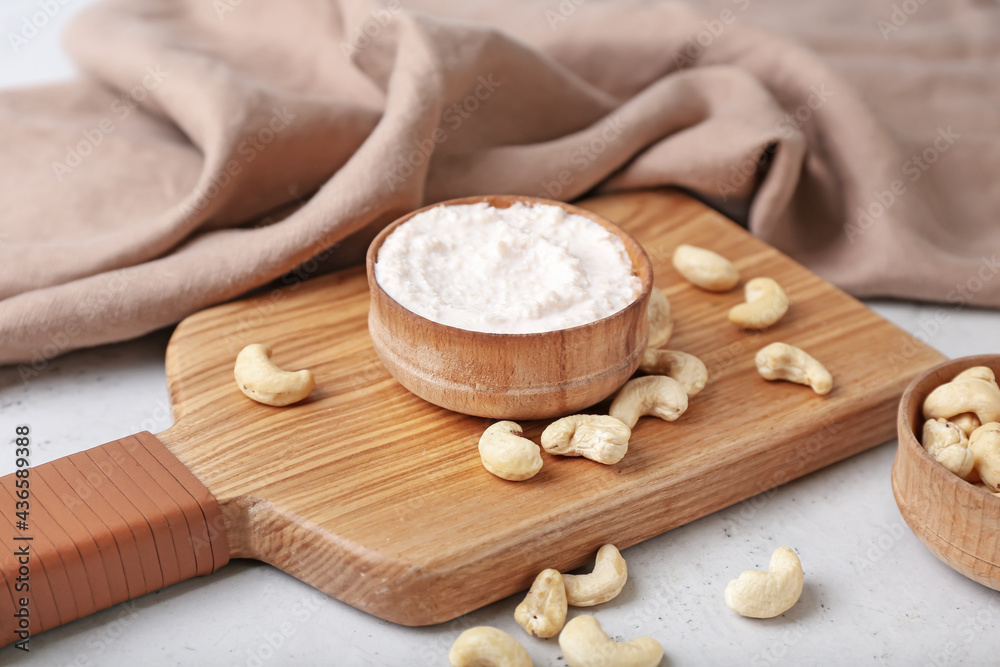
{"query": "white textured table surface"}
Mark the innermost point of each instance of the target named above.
(873, 593)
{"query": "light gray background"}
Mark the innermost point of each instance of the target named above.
(873, 593)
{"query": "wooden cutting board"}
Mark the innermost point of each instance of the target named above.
(379, 499)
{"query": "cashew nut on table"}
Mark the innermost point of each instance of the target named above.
(483, 646)
(686, 368)
(262, 381)
(767, 594)
(706, 269)
(766, 303)
(655, 395)
(507, 455)
(600, 438)
(543, 611)
(585, 644)
(781, 361)
(605, 582)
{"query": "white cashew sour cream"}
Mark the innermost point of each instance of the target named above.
(522, 269)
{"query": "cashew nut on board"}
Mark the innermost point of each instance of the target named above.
(949, 446)
(759, 594)
(262, 381)
(781, 361)
(543, 611)
(766, 303)
(655, 395)
(706, 269)
(585, 644)
(597, 437)
(985, 445)
(603, 584)
(974, 390)
(507, 455)
(483, 646)
(686, 368)
(661, 323)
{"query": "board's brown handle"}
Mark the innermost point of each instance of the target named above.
(100, 527)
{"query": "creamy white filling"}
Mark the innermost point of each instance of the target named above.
(521, 269)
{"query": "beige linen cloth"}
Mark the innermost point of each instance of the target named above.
(215, 145)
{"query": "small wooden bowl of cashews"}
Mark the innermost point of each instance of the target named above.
(515, 375)
(947, 468)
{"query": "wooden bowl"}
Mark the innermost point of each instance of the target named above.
(958, 522)
(510, 376)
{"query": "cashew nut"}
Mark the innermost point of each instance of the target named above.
(265, 383)
(543, 611)
(686, 368)
(949, 446)
(759, 594)
(985, 444)
(979, 372)
(597, 437)
(965, 394)
(507, 455)
(967, 421)
(585, 644)
(781, 361)
(655, 395)
(603, 584)
(766, 303)
(661, 323)
(483, 646)
(706, 269)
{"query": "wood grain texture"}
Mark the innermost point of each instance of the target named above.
(510, 376)
(958, 522)
(379, 498)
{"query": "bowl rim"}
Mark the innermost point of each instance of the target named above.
(641, 265)
(905, 432)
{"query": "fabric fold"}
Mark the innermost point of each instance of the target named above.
(211, 148)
